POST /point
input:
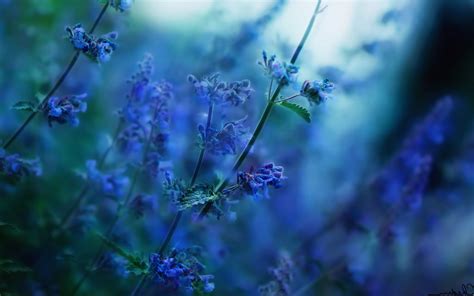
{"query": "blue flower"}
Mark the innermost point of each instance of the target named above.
(78, 37)
(212, 90)
(99, 49)
(282, 277)
(232, 136)
(121, 5)
(112, 184)
(257, 183)
(85, 219)
(141, 204)
(64, 110)
(416, 184)
(14, 166)
(317, 92)
(179, 270)
(284, 73)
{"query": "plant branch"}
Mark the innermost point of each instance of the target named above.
(58, 83)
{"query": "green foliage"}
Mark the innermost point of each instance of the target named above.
(136, 264)
(25, 106)
(298, 109)
(198, 194)
(8, 266)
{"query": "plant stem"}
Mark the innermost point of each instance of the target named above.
(56, 85)
(121, 206)
(179, 214)
(265, 115)
(288, 98)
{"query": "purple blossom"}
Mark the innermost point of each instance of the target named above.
(99, 49)
(257, 183)
(112, 184)
(65, 110)
(212, 90)
(282, 277)
(179, 270)
(284, 73)
(14, 166)
(317, 92)
(231, 137)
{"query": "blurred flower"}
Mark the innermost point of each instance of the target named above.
(141, 204)
(232, 136)
(15, 166)
(419, 146)
(121, 5)
(282, 277)
(212, 89)
(85, 219)
(284, 73)
(317, 92)
(257, 183)
(415, 187)
(111, 184)
(65, 109)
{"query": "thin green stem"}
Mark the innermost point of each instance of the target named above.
(179, 214)
(58, 83)
(288, 98)
(265, 115)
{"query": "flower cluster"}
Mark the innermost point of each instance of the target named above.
(232, 136)
(180, 270)
(283, 73)
(112, 184)
(121, 5)
(65, 110)
(257, 183)
(99, 49)
(317, 92)
(145, 112)
(212, 90)
(282, 277)
(14, 166)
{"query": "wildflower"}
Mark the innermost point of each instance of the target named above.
(179, 270)
(64, 110)
(224, 141)
(15, 166)
(141, 204)
(257, 183)
(112, 184)
(282, 277)
(212, 90)
(99, 49)
(317, 92)
(121, 5)
(78, 37)
(421, 143)
(284, 73)
(415, 186)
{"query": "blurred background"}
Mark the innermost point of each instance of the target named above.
(379, 196)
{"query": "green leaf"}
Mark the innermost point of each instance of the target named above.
(9, 266)
(298, 109)
(136, 264)
(25, 106)
(14, 228)
(196, 195)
